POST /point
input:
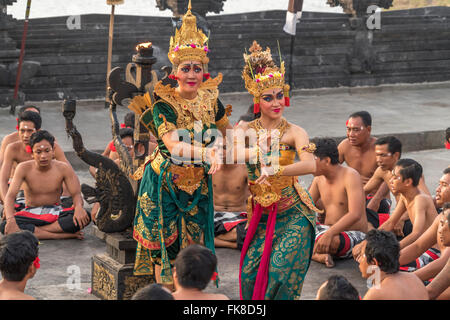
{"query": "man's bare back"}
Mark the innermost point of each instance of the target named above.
(11, 294)
(398, 286)
(360, 158)
(230, 188)
(194, 294)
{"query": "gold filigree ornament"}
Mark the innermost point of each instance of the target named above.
(189, 43)
(188, 178)
(260, 74)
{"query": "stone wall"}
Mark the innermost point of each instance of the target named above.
(413, 46)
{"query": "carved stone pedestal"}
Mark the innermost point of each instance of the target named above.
(112, 272)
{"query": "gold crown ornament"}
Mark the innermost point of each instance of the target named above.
(260, 73)
(189, 42)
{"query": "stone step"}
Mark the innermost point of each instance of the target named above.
(413, 55)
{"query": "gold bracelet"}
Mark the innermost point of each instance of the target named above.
(279, 170)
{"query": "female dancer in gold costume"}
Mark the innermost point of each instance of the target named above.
(280, 238)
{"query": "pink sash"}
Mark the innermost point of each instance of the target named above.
(262, 276)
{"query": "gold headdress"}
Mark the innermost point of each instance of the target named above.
(189, 43)
(260, 73)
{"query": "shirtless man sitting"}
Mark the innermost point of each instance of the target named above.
(419, 205)
(42, 178)
(412, 257)
(388, 151)
(341, 191)
(20, 151)
(380, 253)
(230, 195)
(443, 190)
(14, 136)
(358, 150)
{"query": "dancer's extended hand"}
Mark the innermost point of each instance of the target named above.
(215, 159)
(265, 173)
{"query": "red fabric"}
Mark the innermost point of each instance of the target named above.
(112, 147)
(383, 217)
(256, 108)
(122, 125)
(432, 255)
(50, 218)
(230, 225)
(447, 145)
(262, 276)
(346, 245)
(287, 101)
(28, 149)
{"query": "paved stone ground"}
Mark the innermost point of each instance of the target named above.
(320, 112)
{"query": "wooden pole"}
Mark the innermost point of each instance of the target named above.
(110, 45)
(22, 54)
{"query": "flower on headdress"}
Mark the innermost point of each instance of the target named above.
(270, 75)
(122, 125)
(176, 48)
(206, 49)
(214, 276)
(193, 45)
(36, 263)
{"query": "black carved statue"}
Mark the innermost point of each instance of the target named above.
(113, 189)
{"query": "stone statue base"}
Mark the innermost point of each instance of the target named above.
(112, 273)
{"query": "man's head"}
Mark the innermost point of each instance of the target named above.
(326, 155)
(29, 122)
(388, 151)
(42, 143)
(443, 189)
(194, 267)
(406, 174)
(29, 108)
(127, 136)
(359, 126)
(337, 288)
(18, 251)
(381, 249)
(129, 120)
(444, 228)
(153, 291)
